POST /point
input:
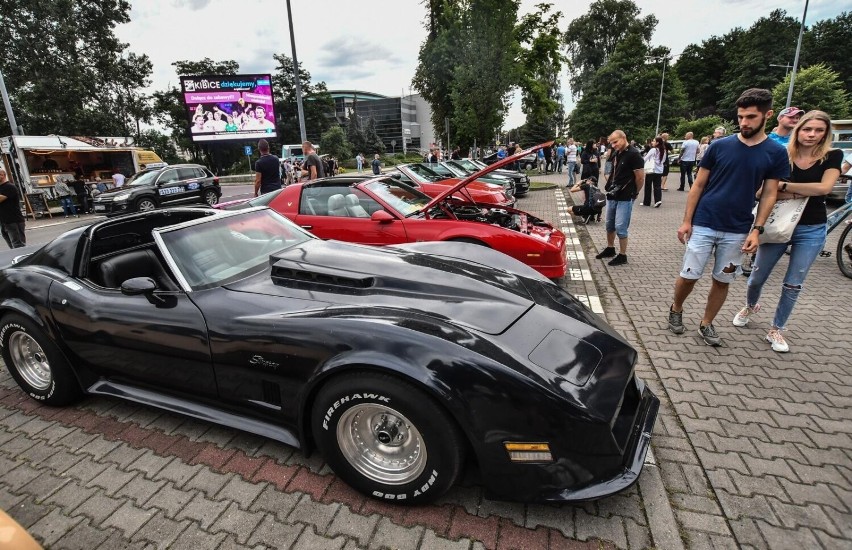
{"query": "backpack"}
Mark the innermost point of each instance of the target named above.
(597, 198)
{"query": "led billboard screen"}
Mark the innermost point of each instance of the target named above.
(234, 107)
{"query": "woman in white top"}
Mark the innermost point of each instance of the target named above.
(654, 164)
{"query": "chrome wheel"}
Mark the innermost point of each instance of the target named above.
(381, 444)
(145, 205)
(211, 198)
(30, 360)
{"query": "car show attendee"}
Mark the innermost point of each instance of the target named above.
(591, 160)
(654, 159)
(688, 155)
(63, 193)
(718, 133)
(571, 160)
(787, 120)
(267, 170)
(12, 222)
(815, 169)
(377, 165)
(82, 194)
(359, 161)
(313, 166)
(623, 186)
(718, 218)
(666, 161)
(117, 179)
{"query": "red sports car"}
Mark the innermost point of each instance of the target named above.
(425, 180)
(384, 211)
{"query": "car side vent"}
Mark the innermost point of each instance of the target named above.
(299, 276)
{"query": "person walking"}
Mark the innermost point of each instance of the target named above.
(623, 186)
(12, 222)
(787, 120)
(377, 165)
(666, 162)
(571, 160)
(717, 220)
(312, 166)
(267, 170)
(560, 157)
(80, 190)
(359, 161)
(591, 161)
(63, 193)
(815, 169)
(688, 156)
(654, 159)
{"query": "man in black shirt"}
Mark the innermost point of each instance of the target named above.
(625, 182)
(12, 223)
(313, 164)
(267, 170)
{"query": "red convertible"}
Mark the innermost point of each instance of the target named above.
(384, 211)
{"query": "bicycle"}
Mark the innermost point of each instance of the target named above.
(844, 244)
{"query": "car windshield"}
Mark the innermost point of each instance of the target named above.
(455, 170)
(468, 165)
(424, 174)
(143, 178)
(402, 198)
(266, 198)
(222, 249)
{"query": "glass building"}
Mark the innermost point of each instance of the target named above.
(397, 119)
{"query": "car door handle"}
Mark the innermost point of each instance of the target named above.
(307, 227)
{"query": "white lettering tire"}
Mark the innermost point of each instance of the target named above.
(35, 362)
(386, 438)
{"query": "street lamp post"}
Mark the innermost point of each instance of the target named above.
(296, 76)
(662, 84)
(796, 60)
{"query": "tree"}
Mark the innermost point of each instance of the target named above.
(770, 40)
(827, 42)
(541, 62)
(816, 87)
(316, 102)
(592, 38)
(334, 143)
(624, 94)
(701, 127)
(160, 143)
(355, 134)
(372, 141)
(64, 70)
(700, 69)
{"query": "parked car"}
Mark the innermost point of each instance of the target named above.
(385, 211)
(841, 187)
(427, 181)
(176, 184)
(396, 363)
(448, 170)
(527, 162)
(522, 181)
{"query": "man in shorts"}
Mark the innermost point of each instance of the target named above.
(718, 218)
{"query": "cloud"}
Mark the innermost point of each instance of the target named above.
(352, 52)
(193, 5)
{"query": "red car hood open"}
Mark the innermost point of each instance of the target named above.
(488, 169)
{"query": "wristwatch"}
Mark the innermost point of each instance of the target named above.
(783, 187)
(759, 229)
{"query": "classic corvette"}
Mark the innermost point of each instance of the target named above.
(385, 211)
(396, 363)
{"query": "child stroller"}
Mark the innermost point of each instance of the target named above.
(595, 201)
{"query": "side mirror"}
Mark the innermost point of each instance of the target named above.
(138, 285)
(382, 216)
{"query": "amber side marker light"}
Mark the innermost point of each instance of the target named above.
(528, 452)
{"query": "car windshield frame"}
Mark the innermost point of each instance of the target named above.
(380, 189)
(424, 173)
(147, 177)
(183, 244)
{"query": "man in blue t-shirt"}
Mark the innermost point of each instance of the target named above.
(787, 120)
(718, 218)
(267, 170)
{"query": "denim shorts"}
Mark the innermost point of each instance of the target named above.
(725, 247)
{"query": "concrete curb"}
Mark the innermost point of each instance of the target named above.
(658, 508)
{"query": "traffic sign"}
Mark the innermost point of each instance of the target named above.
(248, 150)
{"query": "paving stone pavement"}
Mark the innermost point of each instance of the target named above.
(755, 447)
(109, 474)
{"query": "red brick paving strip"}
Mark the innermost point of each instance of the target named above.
(450, 521)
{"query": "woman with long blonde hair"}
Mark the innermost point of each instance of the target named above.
(815, 168)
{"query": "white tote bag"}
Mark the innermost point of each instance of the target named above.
(782, 221)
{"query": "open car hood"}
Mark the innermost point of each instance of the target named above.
(488, 169)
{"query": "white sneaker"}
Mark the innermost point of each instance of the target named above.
(741, 318)
(657, 204)
(777, 340)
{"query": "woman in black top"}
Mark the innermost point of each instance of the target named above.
(590, 160)
(815, 168)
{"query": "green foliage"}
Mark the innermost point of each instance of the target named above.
(540, 63)
(64, 69)
(536, 131)
(161, 144)
(593, 37)
(828, 42)
(701, 127)
(770, 40)
(355, 134)
(700, 69)
(316, 102)
(816, 87)
(334, 143)
(372, 142)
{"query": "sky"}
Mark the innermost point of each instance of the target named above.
(372, 45)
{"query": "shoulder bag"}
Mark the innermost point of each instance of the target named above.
(782, 221)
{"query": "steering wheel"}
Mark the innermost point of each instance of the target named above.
(271, 245)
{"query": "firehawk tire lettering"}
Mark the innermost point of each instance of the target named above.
(439, 439)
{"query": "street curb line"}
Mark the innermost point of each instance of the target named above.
(658, 507)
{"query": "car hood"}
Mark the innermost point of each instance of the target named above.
(342, 274)
(488, 169)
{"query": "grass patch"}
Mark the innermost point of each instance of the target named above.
(534, 185)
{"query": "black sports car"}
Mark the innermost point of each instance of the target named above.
(394, 362)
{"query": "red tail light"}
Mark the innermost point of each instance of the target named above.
(215, 180)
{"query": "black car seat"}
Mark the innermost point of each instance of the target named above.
(138, 263)
(337, 206)
(353, 206)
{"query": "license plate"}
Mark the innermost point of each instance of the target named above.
(100, 208)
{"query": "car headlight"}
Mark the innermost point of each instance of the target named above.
(121, 197)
